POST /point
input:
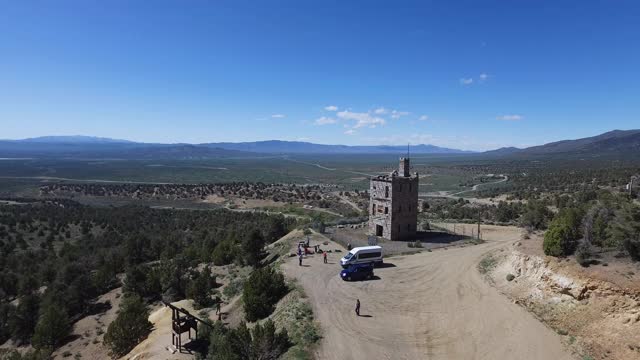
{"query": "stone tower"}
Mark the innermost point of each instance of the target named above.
(393, 212)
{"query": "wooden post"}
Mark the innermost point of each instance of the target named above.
(183, 321)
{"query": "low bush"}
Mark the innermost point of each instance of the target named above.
(130, 327)
(262, 342)
(261, 292)
(510, 277)
(224, 253)
(53, 326)
(563, 234)
(233, 288)
(487, 264)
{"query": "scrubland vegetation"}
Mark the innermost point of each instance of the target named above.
(58, 256)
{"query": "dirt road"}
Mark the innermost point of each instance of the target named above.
(433, 305)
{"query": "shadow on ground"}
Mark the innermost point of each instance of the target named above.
(427, 239)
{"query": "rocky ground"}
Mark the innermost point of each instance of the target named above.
(596, 309)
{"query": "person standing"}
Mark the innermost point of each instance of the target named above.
(300, 260)
(324, 256)
(218, 304)
(358, 307)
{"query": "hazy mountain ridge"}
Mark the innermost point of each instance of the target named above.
(616, 142)
(612, 140)
(293, 147)
(113, 150)
(77, 139)
(612, 143)
(93, 147)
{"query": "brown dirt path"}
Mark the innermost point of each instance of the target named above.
(433, 305)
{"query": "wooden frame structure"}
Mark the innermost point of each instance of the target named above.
(182, 322)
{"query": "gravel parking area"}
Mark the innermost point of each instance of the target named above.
(428, 239)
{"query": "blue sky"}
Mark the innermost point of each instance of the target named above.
(465, 74)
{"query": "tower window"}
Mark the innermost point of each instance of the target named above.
(373, 210)
(386, 191)
(386, 210)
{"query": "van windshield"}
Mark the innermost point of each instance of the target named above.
(348, 256)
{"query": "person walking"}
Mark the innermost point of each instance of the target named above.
(300, 260)
(218, 304)
(324, 256)
(349, 247)
(358, 307)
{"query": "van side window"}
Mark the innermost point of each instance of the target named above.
(369, 255)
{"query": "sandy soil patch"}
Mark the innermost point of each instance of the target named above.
(214, 199)
(256, 203)
(89, 331)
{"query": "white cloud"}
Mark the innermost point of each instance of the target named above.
(511, 117)
(350, 132)
(466, 81)
(483, 76)
(325, 121)
(331, 108)
(362, 119)
(395, 114)
(380, 111)
(278, 116)
(423, 118)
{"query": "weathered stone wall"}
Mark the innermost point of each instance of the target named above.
(379, 201)
(404, 216)
(394, 206)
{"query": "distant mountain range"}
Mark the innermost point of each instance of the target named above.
(94, 147)
(298, 147)
(74, 139)
(613, 143)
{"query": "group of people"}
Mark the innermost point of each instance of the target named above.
(317, 249)
(302, 250)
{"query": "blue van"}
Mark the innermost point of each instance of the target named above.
(357, 272)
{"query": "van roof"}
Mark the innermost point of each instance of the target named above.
(375, 247)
